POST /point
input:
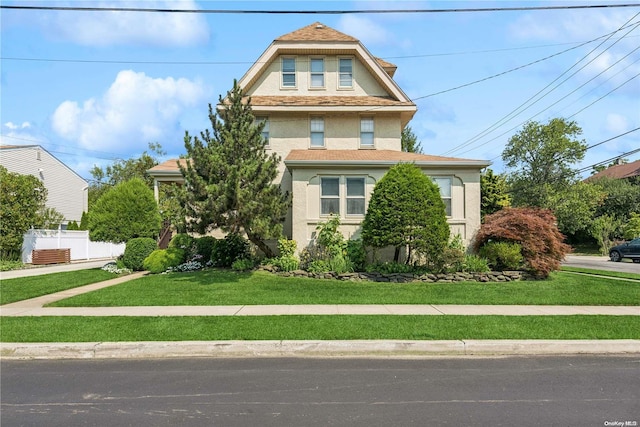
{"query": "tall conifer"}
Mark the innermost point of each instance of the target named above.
(229, 178)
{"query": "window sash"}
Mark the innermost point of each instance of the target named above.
(317, 72)
(355, 196)
(345, 72)
(317, 132)
(330, 196)
(288, 72)
(265, 129)
(366, 132)
(444, 185)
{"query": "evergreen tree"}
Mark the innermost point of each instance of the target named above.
(494, 193)
(409, 141)
(229, 178)
(406, 210)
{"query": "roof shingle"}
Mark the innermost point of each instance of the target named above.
(328, 101)
(317, 32)
(627, 170)
(367, 156)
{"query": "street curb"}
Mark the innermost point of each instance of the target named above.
(354, 349)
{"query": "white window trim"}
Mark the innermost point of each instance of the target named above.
(324, 134)
(338, 197)
(360, 144)
(295, 73)
(347, 197)
(450, 197)
(324, 74)
(342, 196)
(338, 85)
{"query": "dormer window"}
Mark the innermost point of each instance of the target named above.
(289, 72)
(345, 72)
(317, 72)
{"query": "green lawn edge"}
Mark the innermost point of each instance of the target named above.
(22, 288)
(335, 327)
(607, 273)
(219, 288)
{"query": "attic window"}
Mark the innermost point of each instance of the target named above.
(288, 72)
(345, 70)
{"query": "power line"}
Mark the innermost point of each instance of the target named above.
(316, 12)
(586, 168)
(520, 108)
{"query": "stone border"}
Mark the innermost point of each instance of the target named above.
(493, 276)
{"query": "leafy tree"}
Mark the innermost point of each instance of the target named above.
(604, 229)
(21, 199)
(534, 229)
(540, 157)
(406, 210)
(49, 218)
(126, 211)
(632, 229)
(124, 170)
(621, 197)
(229, 179)
(493, 193)
(409, 141)
(575, 206)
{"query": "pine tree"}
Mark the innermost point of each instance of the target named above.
(229, 178)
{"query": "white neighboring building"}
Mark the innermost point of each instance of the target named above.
(67, 192)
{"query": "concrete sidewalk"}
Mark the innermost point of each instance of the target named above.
(56, 268)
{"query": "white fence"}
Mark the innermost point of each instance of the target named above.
(78, 241)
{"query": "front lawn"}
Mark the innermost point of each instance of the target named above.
(18, 289)
(91, 329)
(213, 287)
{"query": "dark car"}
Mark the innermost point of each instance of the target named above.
(626, 250)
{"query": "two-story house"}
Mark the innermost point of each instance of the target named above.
(67, 192)
(334, 114)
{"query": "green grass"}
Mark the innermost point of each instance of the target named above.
(232, 288)
(12, 290)
(88, 329)
(620, 274)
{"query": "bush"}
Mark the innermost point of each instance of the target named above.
(390, 267)
(287, 247)
(204, 246)
(318, 266)
(243, 264)
(136, 251)
(286, 263)
(186, 243)
(632, 229)
(233, 247)
(534, 229)
(162, 260)
(357, 254)
(475, 264)
(502, 255)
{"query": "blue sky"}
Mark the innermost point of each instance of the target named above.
(92, 87)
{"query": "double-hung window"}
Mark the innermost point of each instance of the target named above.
(355, 196)
(288, 72)
(366, 132)
(265, 129)
(317, 72)
(329, 195)
(317, 132)
(445, 192)
(345, 73)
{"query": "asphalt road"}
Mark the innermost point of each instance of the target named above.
(601, 263)
(546, 391)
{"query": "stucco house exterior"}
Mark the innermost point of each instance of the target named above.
(334, 114)
(67, 192)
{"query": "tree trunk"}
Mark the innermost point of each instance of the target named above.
(396, 254)
(261, 245)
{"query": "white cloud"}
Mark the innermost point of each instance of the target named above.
(130, 28)
(617, 123)
(13, 126)
(364, 29)
(135, 110)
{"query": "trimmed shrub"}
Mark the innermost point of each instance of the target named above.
(161, 260)
(502, 255)
(287, 247)
(136, 251)
(534, 229)
(233, 247)
(204, 246)
(186, 243)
